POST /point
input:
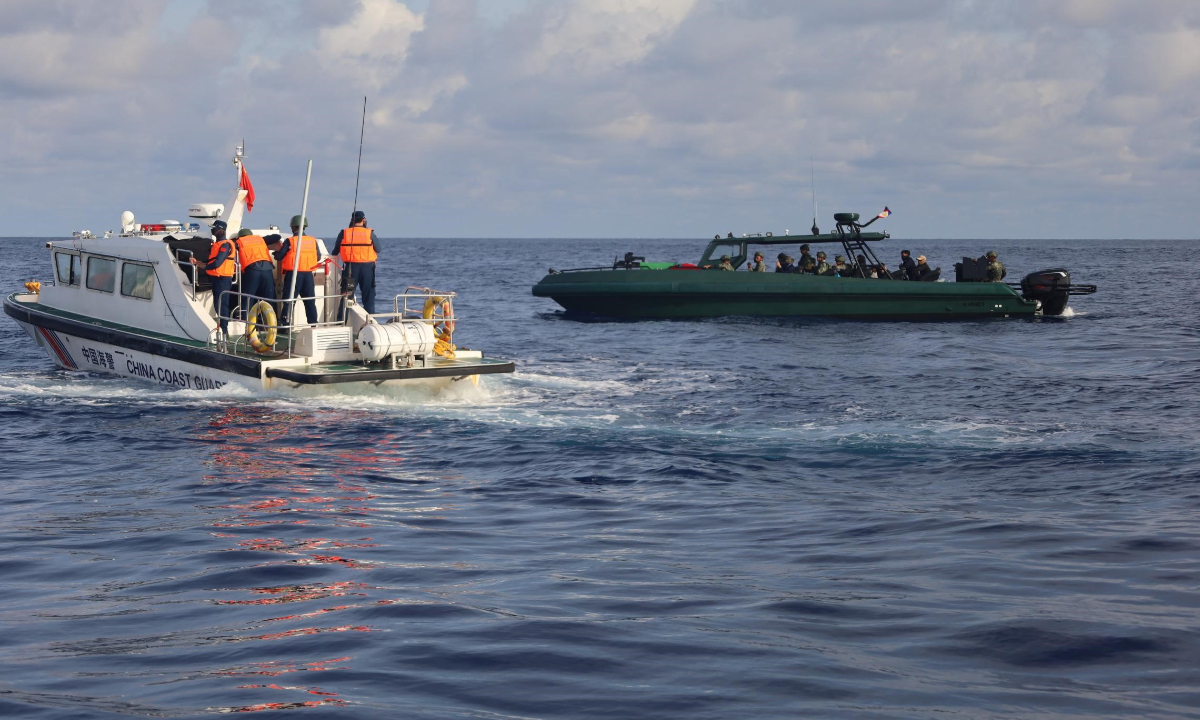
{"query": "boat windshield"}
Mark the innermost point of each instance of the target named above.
(733, 248)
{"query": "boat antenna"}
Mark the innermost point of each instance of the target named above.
(361, 131)
(299, 245)
(812, 166)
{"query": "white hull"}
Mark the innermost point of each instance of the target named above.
(70, 352)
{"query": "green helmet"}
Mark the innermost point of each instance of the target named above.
(821, 254)
(244, 232)
(991, 255)
(724, 258)
(840, 258)
(296, 221)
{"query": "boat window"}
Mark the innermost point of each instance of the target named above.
(101, 274)
(67, 265)
(137, 281)
(716, 250)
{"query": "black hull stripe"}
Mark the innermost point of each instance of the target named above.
(140, 343)
(304, 378)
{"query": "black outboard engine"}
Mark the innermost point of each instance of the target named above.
(1049, 286)
(1053, 287)
(631, 262)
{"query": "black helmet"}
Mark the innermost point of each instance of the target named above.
(804, 248)
(358, 216)
(782, 257)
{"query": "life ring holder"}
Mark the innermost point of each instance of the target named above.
(266, 345)
(439, 309)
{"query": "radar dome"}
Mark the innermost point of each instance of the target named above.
(126, 221)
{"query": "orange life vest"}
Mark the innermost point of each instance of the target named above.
(251, 249)
(225, 269)
(308, 254)
(356, 245)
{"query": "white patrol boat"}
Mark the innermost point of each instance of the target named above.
(132, 303)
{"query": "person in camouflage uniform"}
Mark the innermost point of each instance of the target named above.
(995, 269)
(822, 266)
(758, 265)
(726, 264)
(805, 258)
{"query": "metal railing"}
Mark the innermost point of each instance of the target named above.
(191, 272)
(241, 343)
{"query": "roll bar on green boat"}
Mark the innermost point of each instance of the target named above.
(848, 232)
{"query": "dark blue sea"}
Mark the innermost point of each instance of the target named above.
(731, 518)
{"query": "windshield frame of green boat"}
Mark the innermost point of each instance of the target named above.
(745, 242)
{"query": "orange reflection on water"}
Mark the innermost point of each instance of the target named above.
(290, 472)
(311, 631)
(299, 593)
(276, 668)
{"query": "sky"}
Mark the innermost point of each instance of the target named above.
(608, 118)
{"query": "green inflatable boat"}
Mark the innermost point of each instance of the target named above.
(862, 289)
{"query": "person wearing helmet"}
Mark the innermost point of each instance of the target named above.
(822, 267)
(357, 248)
(784, 264)
(759, 265)
(220, 271)
(258, 273)
(805, 257)
(726, 263)
(995, 268)
(840, 266)
(297, 257)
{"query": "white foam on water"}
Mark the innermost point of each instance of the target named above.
(543, 401)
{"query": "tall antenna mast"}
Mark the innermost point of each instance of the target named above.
(813, 167)
(357, 172)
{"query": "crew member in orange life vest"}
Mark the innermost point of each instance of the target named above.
(301, 267)
(220, 270)
(258, 274)
(358, 251)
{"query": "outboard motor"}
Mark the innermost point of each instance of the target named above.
(1053, 288)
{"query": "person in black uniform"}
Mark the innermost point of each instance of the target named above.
(909, 266)
(923, 268)
(784, 264)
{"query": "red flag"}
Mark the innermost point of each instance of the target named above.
(245, 185)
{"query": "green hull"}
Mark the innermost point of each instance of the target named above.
(709, 293)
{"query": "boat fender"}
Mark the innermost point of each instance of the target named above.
(264, 310)
(438, 308)
(34, 287)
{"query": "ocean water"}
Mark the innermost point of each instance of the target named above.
(730, 518)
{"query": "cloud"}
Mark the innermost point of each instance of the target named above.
(611, 117)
